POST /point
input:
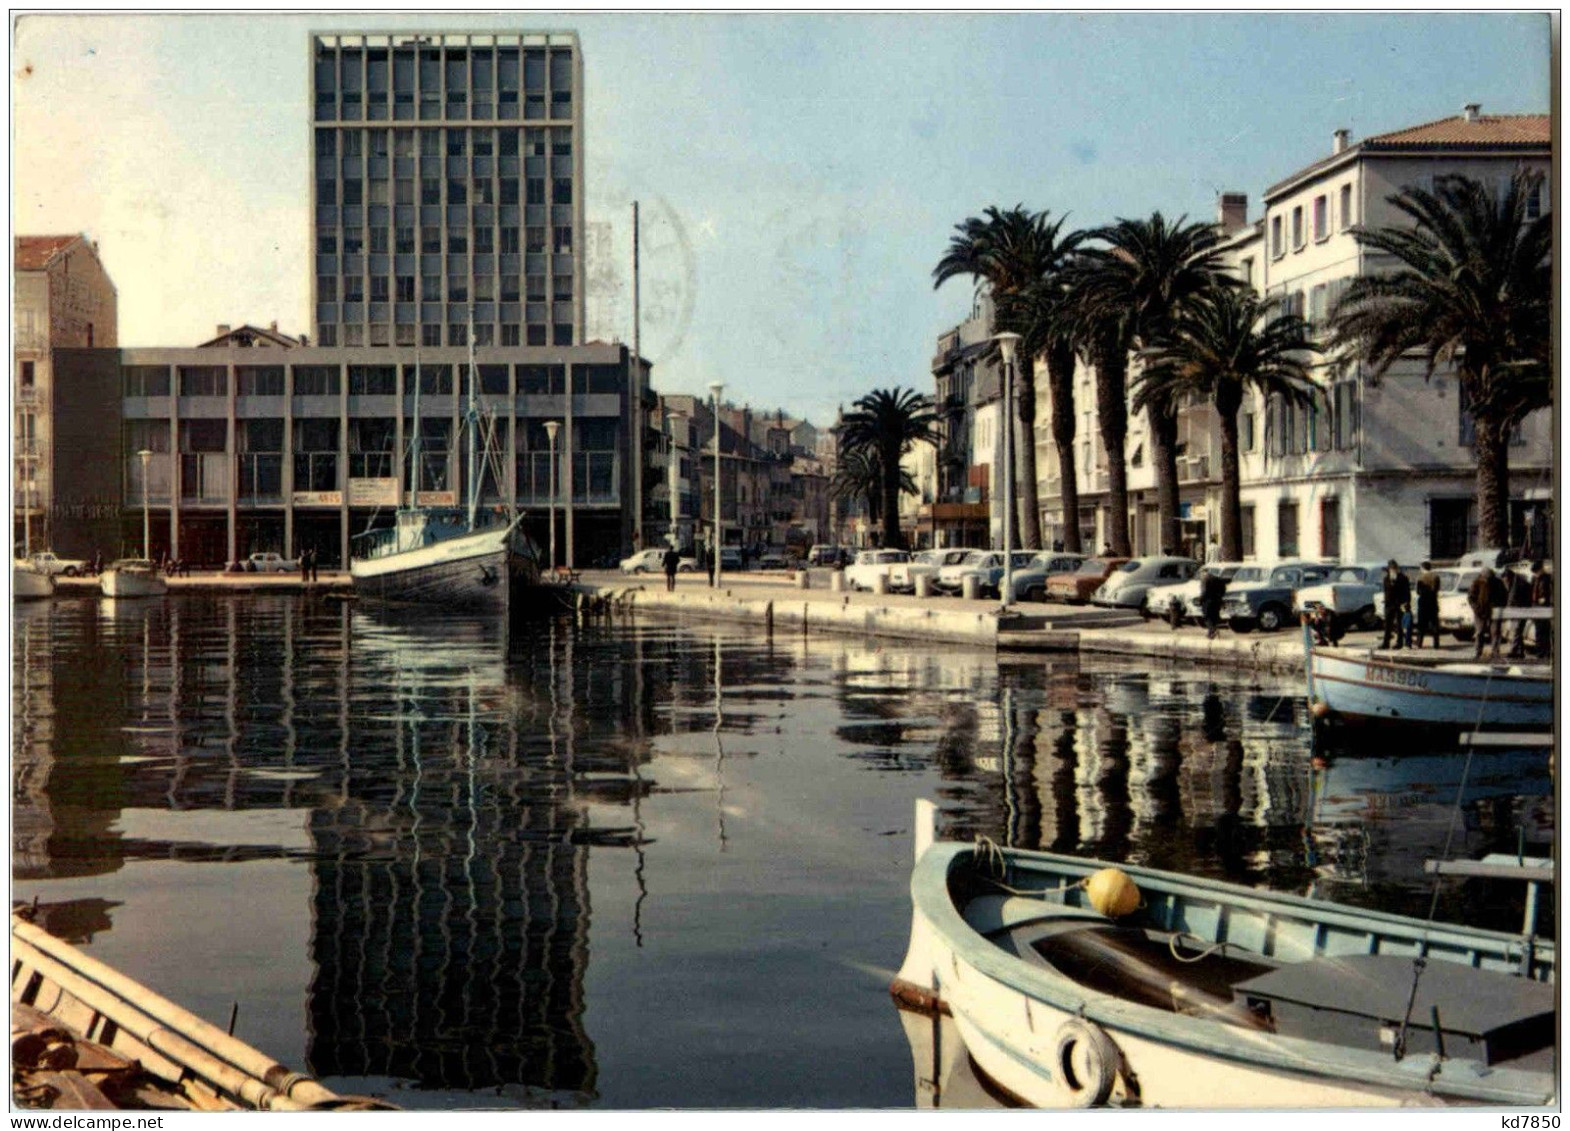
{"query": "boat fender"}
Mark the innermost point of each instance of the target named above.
(1112, 893)
(1082, 1042)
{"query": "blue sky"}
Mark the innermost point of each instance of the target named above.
(799, 174)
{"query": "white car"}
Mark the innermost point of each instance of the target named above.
(269, 562)
(1350, 593)
(45, 562)
(948, 578)
(872, 564)
(1455, 615)
(925, 563)
(1185, 594)
(645, 561)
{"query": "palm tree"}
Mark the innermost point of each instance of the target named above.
(1224, 344)
(1012, 251)
(1049, 329)
(887, 424)
(1134, 289)
(1472, 287)
(858, 475)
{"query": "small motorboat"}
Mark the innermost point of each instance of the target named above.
(29, 582)
(1075, 984)
(83, 1035)
(1347, 686)
(132, 577)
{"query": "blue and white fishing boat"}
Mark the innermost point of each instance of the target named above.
(446, 557)
(1358, 687)
(1074, 984)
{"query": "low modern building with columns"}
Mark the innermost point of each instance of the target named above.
(307, 447)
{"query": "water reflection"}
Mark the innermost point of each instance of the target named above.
(718, 819)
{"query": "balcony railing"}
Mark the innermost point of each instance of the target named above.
(1193, 469)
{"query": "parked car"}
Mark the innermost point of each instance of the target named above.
(266, 561)
(1455, 614)
(1077, 587)
(990, 570)
(645, 561)
(1126, 587)
(1349, 594)
(823, 554)
(44, 561)
(1493, 559)
(1160, 600)
(1266, 603)
(1030, 583)
(948, 577)
(924, 563)
(731, 559)
(773, 560)
(870, 565)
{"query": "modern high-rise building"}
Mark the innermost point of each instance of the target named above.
(447, 189)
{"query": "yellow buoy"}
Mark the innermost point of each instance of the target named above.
(1112, 893)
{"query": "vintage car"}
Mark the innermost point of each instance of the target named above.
(1077, 587)
(1348, 593)
(1161, 599)
(1263, 598)
(989, 570)
(870, 565)
(1129, 583)
(1030, 583)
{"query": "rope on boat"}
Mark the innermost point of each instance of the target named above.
(1172, 945)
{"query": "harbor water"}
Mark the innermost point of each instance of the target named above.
(636, 863)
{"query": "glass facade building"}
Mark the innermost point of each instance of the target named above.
(447, 189)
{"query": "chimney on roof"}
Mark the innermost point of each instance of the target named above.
(223, 328)
(1232, 211)
(1339, 140)
(1471, 111)
(274, 327)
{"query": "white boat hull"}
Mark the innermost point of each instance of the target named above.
(28, 583)
(131, 583)
(471, 571)
(1361, 688)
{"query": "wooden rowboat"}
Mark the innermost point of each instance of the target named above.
(85, 1036)
(1212, 994)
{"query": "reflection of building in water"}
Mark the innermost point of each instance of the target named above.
(451, 906)
(67, 786)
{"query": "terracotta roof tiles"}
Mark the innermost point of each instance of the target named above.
(33, 253)
(1487, 129)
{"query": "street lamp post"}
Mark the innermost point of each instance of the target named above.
(551, 427)
(1008, 342)
(674, 478)
(147, 525)
(716, 388)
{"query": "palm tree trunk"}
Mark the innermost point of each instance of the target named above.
(1491, 446)
(891, 533)
(1060, 389)
(1163, 454)
(1112, 414)
(1027, 493)
(1231, 490)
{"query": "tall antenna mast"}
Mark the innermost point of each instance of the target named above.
(635, 395)
(473, 419)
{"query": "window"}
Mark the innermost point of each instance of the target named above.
(509, 334)
(353, 289)
(379, 288)
(457, 241)
(563, 242)
(146, 380)
(405, 288)
(561, 143)
(378, 241)
(27, 374)
(1330, 528)
(1245, 271)
(1297, 228)
(431, 335)
(484, 241)
(404, 241)
(316, 381)
(431, 288)
(352, 193)
(457, 334)
(1467, 432)
(535, 240)
(536, 288)
(1346, 207)
(326, 334)
(405, 191)
(372, 380)
(458, 289)
(509, 241)
(484, 144)
(430, 190)
(1286, 530)
(484, 288)
(562, 192)
(431, 240)
(1537, 198)
(1245, 431)
(203, 381)
(1317, 306)
(326, 192)
(378, 191)
(561, 288)
(1321, 217)
(353, 241)
(1344, 415)
(456, 142)
(535, 191)
(1276, 248)
(509, 288)
(327, 242)
(457, 191)
(561, 334)
(354, 335)
(259, 381)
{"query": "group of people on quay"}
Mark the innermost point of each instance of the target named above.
(1412, 608)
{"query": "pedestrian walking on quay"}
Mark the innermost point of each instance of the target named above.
(672, 562)
(1519, 588)
(315, 563)
(1398, 598)
(1485, 595)
(1212, 587)
(1542, 598)
(1427, 605)
(1213, 550)
(305, 566)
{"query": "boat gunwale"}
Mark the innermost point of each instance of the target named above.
(1436, 666)
(930, 894)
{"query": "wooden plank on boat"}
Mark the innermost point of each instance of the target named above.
(75, 1091)
(1540, 612)
(1511, 739)
(1494, 869)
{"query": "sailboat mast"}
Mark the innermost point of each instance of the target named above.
(473, 430)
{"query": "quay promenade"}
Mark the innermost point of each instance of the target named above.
(775, 600)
